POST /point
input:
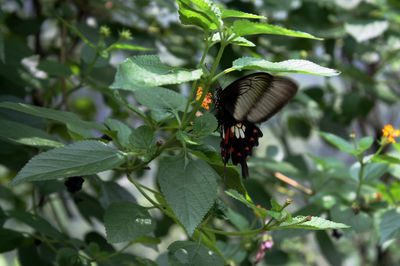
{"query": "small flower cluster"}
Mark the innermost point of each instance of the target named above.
(266, 243)
(207, 100)
(389, 133)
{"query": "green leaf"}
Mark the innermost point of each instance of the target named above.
(338, 142)
(126, 46)
(144, 71)
(78, 159)
(27, 135)
(192, 253)
(208, 8)
(235, 40)
(185, 137)
(64, 117)
(123, 131)
(67, 256)
(10, 239)
(229, 13)
(366, 30)
(249, 203)
(316, 223)
(237, 220)
(205, 125)
(190, 189)
(233, 180)
(142, 139)
(148, 240)
(88, 55)
(53, 68)
(365, 143)
(246, 27)
(126, 221)
(190, 16)
(389, 226)
(385, 159)
(111, 192)
(360, 222)
(372, 172)
(294, 65)
(328, 249)
(37, 223)
(161, 99)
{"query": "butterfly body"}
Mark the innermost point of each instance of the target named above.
(247, 101)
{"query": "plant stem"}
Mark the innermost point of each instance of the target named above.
(360, 179)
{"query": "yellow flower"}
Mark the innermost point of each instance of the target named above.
(206, 101)
(389, 133)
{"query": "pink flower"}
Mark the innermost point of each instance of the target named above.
(266, 243)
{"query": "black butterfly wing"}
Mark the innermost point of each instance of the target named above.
(249, 100)
(257, 97)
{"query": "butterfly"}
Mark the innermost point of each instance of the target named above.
(249, 100)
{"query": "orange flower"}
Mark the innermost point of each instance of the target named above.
(206, 101)
(257, 212)
(389, 133)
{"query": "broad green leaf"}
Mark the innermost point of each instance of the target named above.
(27, 135)
(294, 65)
(190, 16)
(389, 226)
(192, 253)
(126, 221)
(148, 240)
(64, 117)
(142, 140)
(328, 249)
(208, 8)
(89, 207)
(78, 159)
(316, 223)
(230, 173)
(37, 223)
(144, 71)
(67, 256)
(229, 13)
(360, 222)
(126, 46)
(232, 251)
(339, 143)
(190, 189)
(364, 31)
(123, 131)
(161, 99)
(10, 239)
(246, 27)
(365, 143)
(53, 68)
(205, 125)
(111, 192)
